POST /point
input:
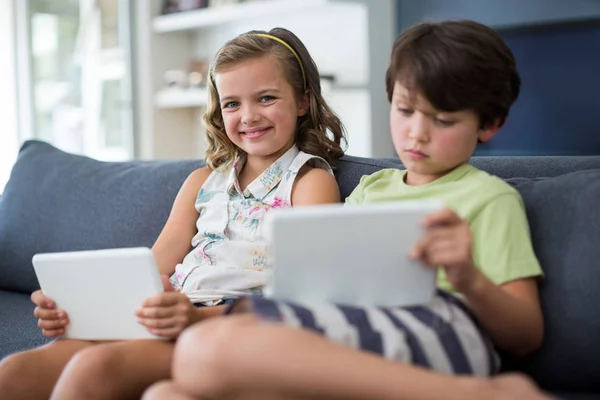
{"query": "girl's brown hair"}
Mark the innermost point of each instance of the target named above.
(318, 132)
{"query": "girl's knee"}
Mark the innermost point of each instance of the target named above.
(14, 369)
(88, 371)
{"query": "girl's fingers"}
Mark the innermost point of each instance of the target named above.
(155, 312)
(50, 333)
(49, 314)
(170, 333)
(45, 324)
(40, 300)
(163, 323)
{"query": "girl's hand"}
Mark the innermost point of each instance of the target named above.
(52, 321)
(167, 314)
(448, 243)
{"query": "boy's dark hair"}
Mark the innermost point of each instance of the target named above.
(456, 65)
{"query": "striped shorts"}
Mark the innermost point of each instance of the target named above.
(443, 336)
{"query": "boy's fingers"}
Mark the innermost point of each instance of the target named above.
(441, 217)
(418, 250)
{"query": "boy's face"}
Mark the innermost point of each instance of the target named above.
(431, 142)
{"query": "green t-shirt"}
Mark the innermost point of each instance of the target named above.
(502, 246)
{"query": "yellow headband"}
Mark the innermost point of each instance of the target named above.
(275, 38)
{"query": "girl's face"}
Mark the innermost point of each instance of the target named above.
(430, 142)
(259, 107)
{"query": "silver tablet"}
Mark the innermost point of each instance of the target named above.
(100, 290)
(354, 255)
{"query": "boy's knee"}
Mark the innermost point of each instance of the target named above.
(159, 391)
(206, 353)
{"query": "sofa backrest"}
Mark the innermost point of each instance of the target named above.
(55, 201)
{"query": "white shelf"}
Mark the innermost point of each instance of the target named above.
(206, 17)
(181, 98)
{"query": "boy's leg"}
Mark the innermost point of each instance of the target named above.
(240, 357)
(33, 373)
(115, 370)
(169, 390)
(166, 390)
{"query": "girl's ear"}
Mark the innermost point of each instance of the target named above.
(304, 103)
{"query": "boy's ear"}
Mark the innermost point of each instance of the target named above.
(486, 134)
(304, 103)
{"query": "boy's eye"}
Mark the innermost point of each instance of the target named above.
(266, 99)
(231, 104)
(405, 111)
(444, 122)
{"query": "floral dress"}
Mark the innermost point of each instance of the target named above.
(229, 256)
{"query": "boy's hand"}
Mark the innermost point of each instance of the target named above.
(167, 314)
(447, 243)
(50, 320)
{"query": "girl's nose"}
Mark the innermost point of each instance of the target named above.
(249, 115)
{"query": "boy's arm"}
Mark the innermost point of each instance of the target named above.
(504, 293)
(491, 262)
(511, 313)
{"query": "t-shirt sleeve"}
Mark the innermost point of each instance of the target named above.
(356, 197)
(502, 246)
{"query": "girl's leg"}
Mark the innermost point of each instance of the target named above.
(32, 374)
(119, 370)
(239, 357)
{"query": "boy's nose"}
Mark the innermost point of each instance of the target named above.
(419, 130)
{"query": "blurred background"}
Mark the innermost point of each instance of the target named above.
(125, 79)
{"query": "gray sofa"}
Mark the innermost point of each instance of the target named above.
(57, 201)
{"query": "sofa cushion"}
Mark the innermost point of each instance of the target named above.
(56, 201)
(563, 213)
(18, 327)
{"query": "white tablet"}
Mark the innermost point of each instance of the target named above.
(100, 290)
(354, 255)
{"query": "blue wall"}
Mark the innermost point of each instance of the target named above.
(558, 110)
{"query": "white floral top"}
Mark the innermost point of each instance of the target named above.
(230, 251)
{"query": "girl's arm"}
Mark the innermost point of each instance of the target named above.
(314, 186)
(174, 241)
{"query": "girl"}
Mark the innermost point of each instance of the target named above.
(271, 140)
(440, 110)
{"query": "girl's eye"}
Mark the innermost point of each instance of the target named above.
(231, 104)
(405, 111)
(266, 99)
